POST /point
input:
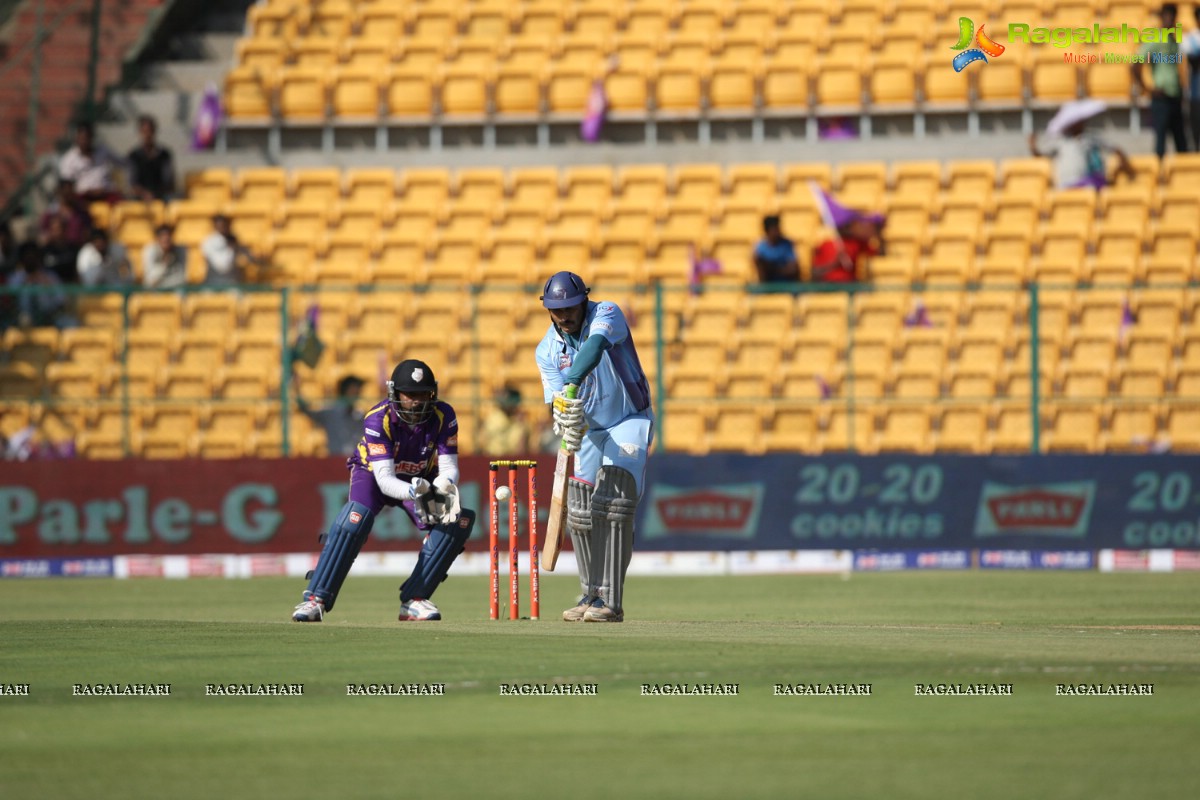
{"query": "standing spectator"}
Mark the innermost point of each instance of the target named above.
(775, 255)
(1191, 50)
(342, 423)
(90, 167)
(1166, 94)
(46, 304)
(222, 250)
(151, 166)
(1078, 158)
(505, 431)
(68, 207)
(104, 263)
(164, 263)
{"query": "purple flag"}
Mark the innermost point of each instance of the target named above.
(595, 112)
(699, 268)
(918, 317)
(208, 120)
(1128, 320)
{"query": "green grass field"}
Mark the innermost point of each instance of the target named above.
(1033, 630)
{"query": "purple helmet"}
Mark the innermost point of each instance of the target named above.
(564, 290)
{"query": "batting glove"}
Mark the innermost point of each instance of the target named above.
(571, 439)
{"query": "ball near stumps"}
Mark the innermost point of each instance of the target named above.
(503, 493)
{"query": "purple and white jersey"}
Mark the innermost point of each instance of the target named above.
(415, 450)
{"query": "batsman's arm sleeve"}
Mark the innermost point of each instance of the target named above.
(448, 467)
(588, 358)
(388, 483)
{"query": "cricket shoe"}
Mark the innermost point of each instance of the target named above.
(311, 610)
(576, 612)
(419, 611)
(599, 612)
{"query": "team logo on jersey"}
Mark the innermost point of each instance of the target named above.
(355, 517)
(418, 374)
(373, 433)
(564, 361)
(452, 441)
(377, 449)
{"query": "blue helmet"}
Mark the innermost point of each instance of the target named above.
(564, 290)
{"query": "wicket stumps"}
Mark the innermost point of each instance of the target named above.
(514, 536)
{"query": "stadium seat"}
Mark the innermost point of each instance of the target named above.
(848, 430)
(1075, 429)
(75, 381)
(792, 430)
(839, 88)
(409, 91)
(905, 428)
(303, 94)
(1001, 86)
(1182, 427)
(1132, 428)
(200, 347)
(248, 95)
(684, 428)
(738, 429)
(1012, 430)
(785, 85)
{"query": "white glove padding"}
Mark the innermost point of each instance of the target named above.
(418, 487)
(571, 439)
(568, 411)
(441, 506)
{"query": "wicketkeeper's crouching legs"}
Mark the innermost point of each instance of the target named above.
(342, 544)
(614, 507)
(442, 545)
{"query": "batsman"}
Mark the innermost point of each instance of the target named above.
(600, 401)
(407, 457)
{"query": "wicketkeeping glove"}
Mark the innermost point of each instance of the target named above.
(418, 487)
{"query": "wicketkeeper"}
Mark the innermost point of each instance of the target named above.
(610, 427)
(408, 457)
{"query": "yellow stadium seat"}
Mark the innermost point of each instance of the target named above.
(371, 186)
(196, 347)
(737, 429)
(905, 428)
(677, 89)
(1074, 429)
(848, 430)
(381, 22)
(1132, 428)
(245, 383)
(316, 51)
(355, 92)
(1183, 427)
(432, 21)
(971, 178)
(785, 86)
(684, 428)
(1012, 429)
(839, 87)
(463, 92)
(1186, 382)
(261, 184)
(731, 86)
(1001, 85)
(159, 312)
(409, 91)
(798, 47)
(212, 185)
(272, 20)
(545, 18)
(792, 430)
(1181, 172)
(597, 19)
(1054, 82)
(421, 54)
(648, 19)
(1084, 382)
(1025, 176)
(518, 90)
(248, 95)
(567, 88)
(332, 18)
(1143, 383)
(962, 430)
(133, 222)
(177, 382)
(892, 82)
(303, 93)
(493, 20)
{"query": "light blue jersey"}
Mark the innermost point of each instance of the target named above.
(616, 395)
(615, 389)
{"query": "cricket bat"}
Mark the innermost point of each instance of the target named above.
(558, 505)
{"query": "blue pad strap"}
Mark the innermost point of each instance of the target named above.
(345, 538)
(441, 547)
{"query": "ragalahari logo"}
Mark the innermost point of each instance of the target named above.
(983, 48)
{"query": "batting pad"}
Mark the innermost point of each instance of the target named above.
(614, 506)
(579, 525)
(345, 538)
(440, 548)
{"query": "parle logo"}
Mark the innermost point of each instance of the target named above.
(983, 48)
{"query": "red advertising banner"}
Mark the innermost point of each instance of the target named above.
(88, 508)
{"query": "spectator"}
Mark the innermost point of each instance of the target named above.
(222, 250)
(164, 263)
(505, 431)
(103, 262)
(775, 255)
(68, 207)
(151, 166)
(343, 424)
(90, 167)
(842, 259)
(1191, 50)
(46, 305)
(1166, 94)
(1079, 158)
(59, 254)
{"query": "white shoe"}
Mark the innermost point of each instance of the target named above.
(311, 610)
(419, 611)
